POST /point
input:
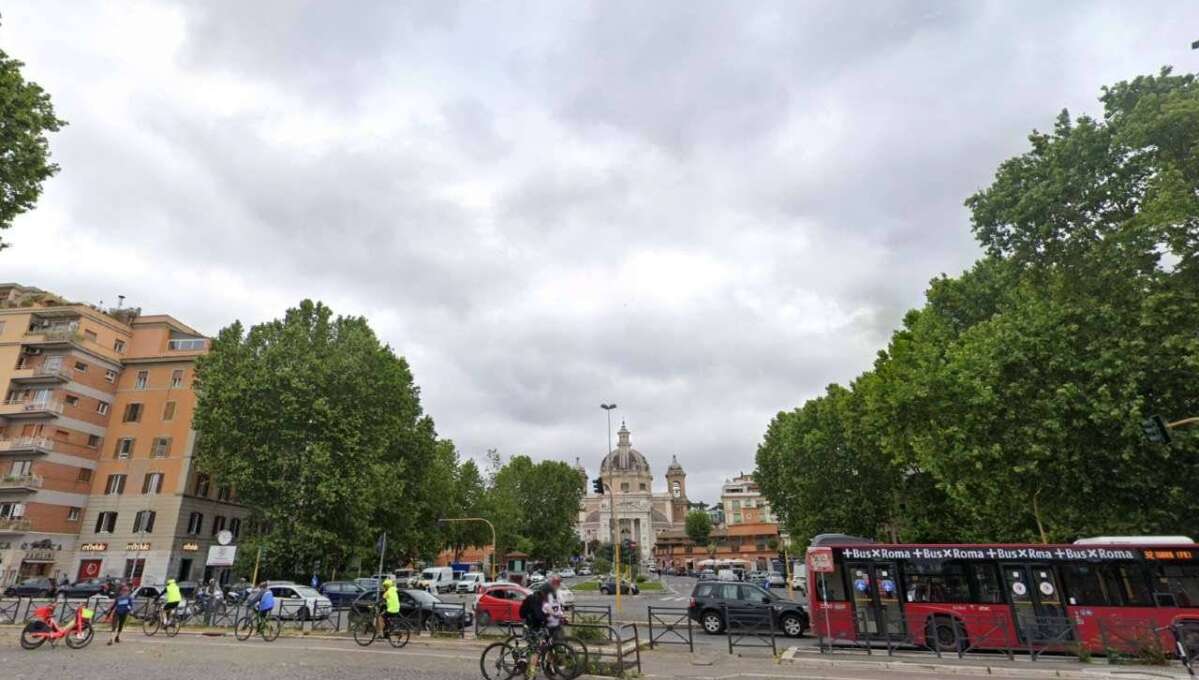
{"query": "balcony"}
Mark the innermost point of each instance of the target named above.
(20, 483)
(54, 335)
(30, 409)
(187, 345)
(42, 375)
(15, 525)
(26, 446)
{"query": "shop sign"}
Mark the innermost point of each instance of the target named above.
(191, 547)
(137, 546)
(93, 547)
(221, 555)
(39, 556)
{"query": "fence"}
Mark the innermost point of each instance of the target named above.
(673, 627)
(618, 653)
(749, 627)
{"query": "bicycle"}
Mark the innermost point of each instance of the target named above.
(510, 658)
(395, 631)
(259, 622)
(78, 634)
(168, 621)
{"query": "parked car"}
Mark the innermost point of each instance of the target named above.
(342, 593)
(567, 597)
(499, 603)
(536, 577)
(709, 597)
(567, 573)
(706, 574)
(422, 608)
(584, 570)
(758, 577)
(608, 587)
(776, 580)
(294, 601)
(30, 587)
(83, 590)
(470, 582)
(436, 580)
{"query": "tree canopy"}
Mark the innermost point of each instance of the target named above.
(1008, 406)
(698, 526)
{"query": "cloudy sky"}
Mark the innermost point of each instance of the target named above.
(703, 211)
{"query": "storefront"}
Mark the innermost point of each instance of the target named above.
(31, 557)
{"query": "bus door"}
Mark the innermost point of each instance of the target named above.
(1036, 603)
(876, 606)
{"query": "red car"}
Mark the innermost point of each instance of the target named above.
(499, 603)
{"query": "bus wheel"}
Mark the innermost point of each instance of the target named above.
(946, 634)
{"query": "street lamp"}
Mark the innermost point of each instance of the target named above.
(446, 520)
(614, 531)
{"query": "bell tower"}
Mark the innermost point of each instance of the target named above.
(676, 487)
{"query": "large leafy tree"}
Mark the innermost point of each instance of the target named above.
(698, 526)
(319, 428)
(26, 116)
(535, 507)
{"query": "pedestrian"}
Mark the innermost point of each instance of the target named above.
(121, 607)
(315, 582)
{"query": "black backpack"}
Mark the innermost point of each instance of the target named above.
(530, 609)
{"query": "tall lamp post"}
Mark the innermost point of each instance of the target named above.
(446, 520)
(608, 408)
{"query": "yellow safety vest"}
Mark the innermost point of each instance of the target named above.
(173, 594)
(393, 600)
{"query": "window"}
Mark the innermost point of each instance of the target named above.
(73, 514)
(152, 483)
(62, 435)
(831, 587)
(1181, 581)
(218, 525)
(110, 375)
(102, 408)
(177, 378)
(90, 335)
(133, 413)
(195, 522)
(115, 485)
(937, 582)
(21, 468)
(1134, 584)
(71, 400)
(142, 381)
(202, 483)
(235, 527)
(81, 367)
(1094, 585)
(106, 522)
(624, 486)
(168, 411)
(642, 485)
(118, 346)
(162, 447)
(124, 447)
(143, 521)
(85, 475)
(12, 510)
(93, 441)
(987, 580)
(185, 345)
(222, 492)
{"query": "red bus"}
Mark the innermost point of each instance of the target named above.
(1100, 594)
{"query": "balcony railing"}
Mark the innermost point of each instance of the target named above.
(42, 373)
(187, 345)
(56, 333)
(26, 444)
(18, 407)
(21, 482)
(14, 524)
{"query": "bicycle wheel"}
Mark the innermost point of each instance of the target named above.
(559, 661)
(244, 628)
(151, 623)
(271, 628)
(579, 648)
(500, 661)
(364, 632)
(398, 635)
(78, 639)
(34, 634)
(171, 628)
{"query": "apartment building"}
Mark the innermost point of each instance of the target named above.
(743, 502)
(96, 472)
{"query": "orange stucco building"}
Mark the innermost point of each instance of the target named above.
(96, 474)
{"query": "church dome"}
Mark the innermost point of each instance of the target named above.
(625, 458)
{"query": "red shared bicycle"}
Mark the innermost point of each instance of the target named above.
(43, 626)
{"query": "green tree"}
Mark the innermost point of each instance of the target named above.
(318, 426)
(535, 507)
(698, 526)
(26, 115)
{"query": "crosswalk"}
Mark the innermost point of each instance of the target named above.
(674, 598)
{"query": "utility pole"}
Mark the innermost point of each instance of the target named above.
(615, 518)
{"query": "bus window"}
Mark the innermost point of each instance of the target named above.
(1093, 585)
(830, 587)
(937, 582)
(1134, 586)
(989, 590)
(1181, 581)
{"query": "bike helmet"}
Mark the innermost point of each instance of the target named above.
(387, 583)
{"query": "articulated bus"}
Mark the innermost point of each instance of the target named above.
(1100, 594)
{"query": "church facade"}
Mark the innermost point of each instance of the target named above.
(642, 513)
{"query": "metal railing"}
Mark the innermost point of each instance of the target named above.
(26, 443)
(673, 627)
(56, 333)
(43, 371)
(24, 406)
(11, 524)
(186, 345)
(751, 626)
(21, 482)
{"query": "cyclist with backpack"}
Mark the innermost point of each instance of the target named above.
(533, 614)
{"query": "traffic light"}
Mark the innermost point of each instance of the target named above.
(597, 485)
(1156, 429)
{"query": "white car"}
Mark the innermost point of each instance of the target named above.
(469, 583)
(567, 573)
(294, 601)
(567, 597)
(584, 571)
(536, 578)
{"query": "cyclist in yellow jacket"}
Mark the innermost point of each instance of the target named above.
(389, 600)
(173, 597)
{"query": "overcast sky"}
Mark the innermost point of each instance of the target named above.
(705, 212)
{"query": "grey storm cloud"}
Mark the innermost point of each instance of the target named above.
(703, 211)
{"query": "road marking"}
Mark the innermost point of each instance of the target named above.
(326, 648)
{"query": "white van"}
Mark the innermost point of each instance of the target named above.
(437, 580)
(727, 575)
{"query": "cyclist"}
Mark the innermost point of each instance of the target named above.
(552, 607)
(266, 601)
(173, 598)
(389, 607)
(533, 613)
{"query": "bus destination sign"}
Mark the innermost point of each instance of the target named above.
(995, 553)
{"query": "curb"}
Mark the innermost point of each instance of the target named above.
(984, 670)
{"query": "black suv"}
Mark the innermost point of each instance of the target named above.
(751, 604)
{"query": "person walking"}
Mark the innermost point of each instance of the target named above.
(121, 606)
